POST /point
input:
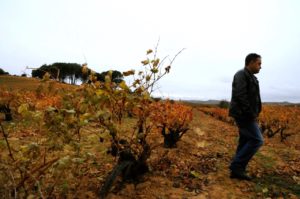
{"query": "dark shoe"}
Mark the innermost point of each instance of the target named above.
(240, 176)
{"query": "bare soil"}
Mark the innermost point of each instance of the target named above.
(198, 167)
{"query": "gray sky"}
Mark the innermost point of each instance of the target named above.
(115, 34)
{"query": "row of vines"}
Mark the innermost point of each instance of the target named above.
(43, 154)
(273, 120)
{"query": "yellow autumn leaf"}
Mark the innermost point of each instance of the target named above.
(107, 79)
(148, 77)
(85, 116)
(196, 174)
(145, 62)
(146, 95)
(123, 85)
(130, 72)
(265, 190)
(100, 92)
(84, 69)
(156, 62)
(149, 51)
(154, 70)
(23, 108)
(46, 76)
(23, 148)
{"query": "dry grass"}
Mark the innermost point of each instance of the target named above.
(8, 82)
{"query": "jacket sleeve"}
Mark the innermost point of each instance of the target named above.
(241, 95)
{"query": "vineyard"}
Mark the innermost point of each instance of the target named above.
(273, 120)
(108, 140)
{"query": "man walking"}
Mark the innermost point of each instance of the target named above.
(245, 107)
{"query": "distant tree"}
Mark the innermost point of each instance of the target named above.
(60, 71)
(67, 71)
(40, 72)
(24, 75)
(72, 72)
(2, 72)
(224, 104)
(117, 76)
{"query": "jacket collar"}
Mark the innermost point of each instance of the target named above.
(249, 73)
(252, 76)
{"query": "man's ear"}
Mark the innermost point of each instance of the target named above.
(251, 62)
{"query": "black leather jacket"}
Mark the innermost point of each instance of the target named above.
(245, 99)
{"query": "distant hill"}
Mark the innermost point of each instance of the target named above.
(283, 103)
(217, 102)
(209, 102)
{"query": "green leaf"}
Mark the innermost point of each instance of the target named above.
(196, 174)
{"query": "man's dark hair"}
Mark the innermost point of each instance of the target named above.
(251, 57)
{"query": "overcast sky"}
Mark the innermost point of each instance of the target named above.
(115, 34)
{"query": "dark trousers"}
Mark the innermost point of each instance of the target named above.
(250, 140)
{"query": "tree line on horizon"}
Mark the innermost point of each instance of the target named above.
(72, 73)
(2, 72)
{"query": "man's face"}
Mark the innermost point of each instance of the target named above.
(255, 66)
